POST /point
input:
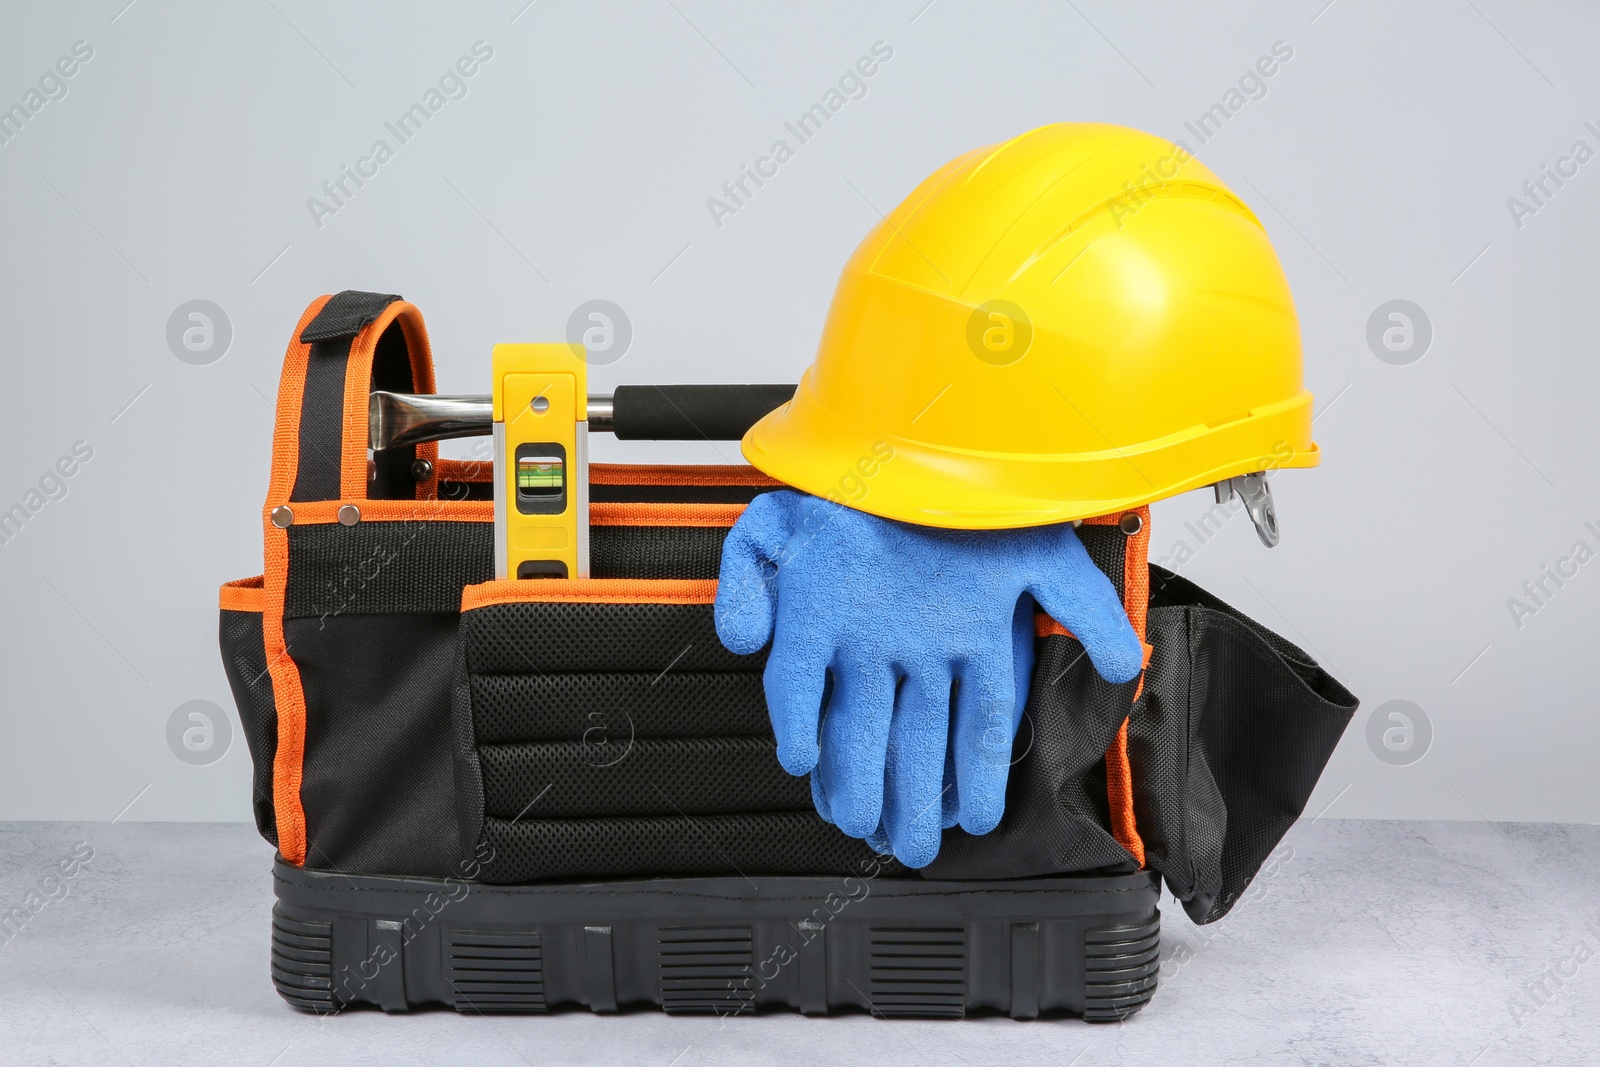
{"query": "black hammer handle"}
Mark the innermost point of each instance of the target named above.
(692, 412)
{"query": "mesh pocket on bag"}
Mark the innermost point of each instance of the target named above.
(601, 740)
(672, 704)
(614, 773)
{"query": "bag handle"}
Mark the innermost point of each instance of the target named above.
(345, 346)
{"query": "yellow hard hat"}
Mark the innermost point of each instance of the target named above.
(1073, 323)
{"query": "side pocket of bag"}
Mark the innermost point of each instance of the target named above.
(1271, 718)
(1236, 726)
(244, 659)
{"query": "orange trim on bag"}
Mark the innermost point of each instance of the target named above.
(464, 470)
(245, 594)
(590, 591)
(358, 385)
(664, 514)
(1136, 599)
(289, 760)
(323, 512)
(1119, 770)
(1136, 573)
(286, 689)
(666, 474)
(1119, 792)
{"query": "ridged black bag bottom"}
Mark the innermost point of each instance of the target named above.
(1074, 945)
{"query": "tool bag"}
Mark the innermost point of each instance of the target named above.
(515, 795)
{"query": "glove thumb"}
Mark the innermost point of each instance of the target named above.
(1078, 595)
(747, 589)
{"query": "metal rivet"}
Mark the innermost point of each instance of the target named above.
(1130, 523)
(421, 470)
(540, 404)
(349, 515)
(282, 516)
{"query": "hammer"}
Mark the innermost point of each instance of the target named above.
(632, 413)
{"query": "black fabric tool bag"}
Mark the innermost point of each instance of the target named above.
(404, 709)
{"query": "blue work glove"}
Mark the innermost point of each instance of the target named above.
(920, 630)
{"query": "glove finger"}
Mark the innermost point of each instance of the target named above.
(1079, 596)
(855, 739)
(819, 797)
(912, 801)
(747, 589)
(1022, 652)
(878, 840)
(949, 794)
(985, 726)
(796, 674)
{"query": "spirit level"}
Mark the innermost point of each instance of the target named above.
(541, 461)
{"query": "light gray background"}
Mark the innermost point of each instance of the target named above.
(578, 167)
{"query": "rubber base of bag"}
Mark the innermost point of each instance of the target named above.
(1083, 946)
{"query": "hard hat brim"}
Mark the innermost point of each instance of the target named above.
(804, 445)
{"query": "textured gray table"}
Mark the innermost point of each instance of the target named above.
(1363, 943)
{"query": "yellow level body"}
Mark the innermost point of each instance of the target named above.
(541, 438)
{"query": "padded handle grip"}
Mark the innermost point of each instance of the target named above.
(692, 412)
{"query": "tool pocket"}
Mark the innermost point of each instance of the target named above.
(1226, 743)
(244, 659)
(602, 731)
(355, 615)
